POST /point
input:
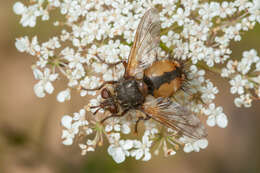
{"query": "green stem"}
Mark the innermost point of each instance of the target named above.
(211, 69)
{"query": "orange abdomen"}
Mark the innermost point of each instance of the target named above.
(164, 78)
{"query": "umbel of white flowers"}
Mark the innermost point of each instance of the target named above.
(195, 31)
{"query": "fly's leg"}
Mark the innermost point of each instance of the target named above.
(156, 56)
(101, 86)
(98, 108)
(110, 64)
(139, 119)
(114, 115)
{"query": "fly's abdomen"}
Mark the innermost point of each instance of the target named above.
(163, 78)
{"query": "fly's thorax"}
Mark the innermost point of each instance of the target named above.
(129, 93)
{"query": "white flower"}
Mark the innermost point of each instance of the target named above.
(71, 129)
(216, 116)
(113, 124)
(181, 16)
(251, 56)
(75, 60)
(255, 11)
(108, 76)
(78, 72)
(238, 84)
(30, 15)
(231, 65)
(208, 92)
(125, 129)
(244, 66)
(86, 148)
(226, 9)
(169, 38)
(80, 117)
(99, 68)
(142, 149)
(116, 125)
(195, 146)
(118, 149)
(44, 85)
(64, 95)
(89, 82)
(22, 44)
(244, 100)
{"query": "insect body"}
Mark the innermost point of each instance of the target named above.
(148, 83)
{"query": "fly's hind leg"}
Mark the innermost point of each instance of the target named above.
(138, 120)
(114, 115)
(156, 56)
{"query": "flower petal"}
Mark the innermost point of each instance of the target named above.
(117, 154)
(63, 95)
(48, 87)
(222, 120)
(188, 148)
(37, 74)
(66, 121)
(128, 144)
(203, 143)
(147, 156)
(39, 90)
(211, 121)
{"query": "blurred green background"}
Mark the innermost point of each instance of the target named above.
(30, 127)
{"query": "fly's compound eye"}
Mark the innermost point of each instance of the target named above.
(105, 93)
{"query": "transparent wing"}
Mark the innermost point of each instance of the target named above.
(146, 42)
(175, 116)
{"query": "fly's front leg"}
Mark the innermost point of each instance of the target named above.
(110, 64)
(101, 86)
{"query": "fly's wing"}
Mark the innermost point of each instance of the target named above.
(175, 116)
(146, 42)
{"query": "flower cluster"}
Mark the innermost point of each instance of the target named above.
(244, 78)
(96, 33)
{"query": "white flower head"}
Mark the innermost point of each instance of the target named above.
(97, 33)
